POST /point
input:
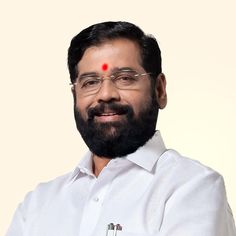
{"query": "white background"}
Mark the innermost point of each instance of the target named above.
(38, 137)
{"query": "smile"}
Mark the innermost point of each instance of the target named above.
(108, 114)
(108, 117)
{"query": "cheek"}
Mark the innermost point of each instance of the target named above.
(138, 101)
(82, 106)
(142, 98)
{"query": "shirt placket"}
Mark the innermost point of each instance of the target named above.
(93, 206)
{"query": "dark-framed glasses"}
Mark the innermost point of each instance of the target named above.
(123, 80)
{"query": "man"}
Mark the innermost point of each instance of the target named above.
(128, 183)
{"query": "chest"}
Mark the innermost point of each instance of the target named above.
(86, 208)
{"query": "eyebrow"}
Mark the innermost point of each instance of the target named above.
(88, 74)
(113, 71)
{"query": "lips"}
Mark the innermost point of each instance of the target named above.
(108, 114)
(108, 117)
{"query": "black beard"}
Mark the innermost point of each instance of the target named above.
(119, 138)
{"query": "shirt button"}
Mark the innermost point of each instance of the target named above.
(96, 199)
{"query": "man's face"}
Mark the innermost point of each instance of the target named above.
(115, 122)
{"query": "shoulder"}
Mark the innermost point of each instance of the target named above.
(182, 176)
(44, 193)
(184, 167)
(190, 181)
(53, 186)
(196, 193)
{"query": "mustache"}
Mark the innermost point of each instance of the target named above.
(109, 107)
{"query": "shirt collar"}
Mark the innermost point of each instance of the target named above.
(85, 166)
(145, 157)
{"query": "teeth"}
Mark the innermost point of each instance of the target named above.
(108, 114)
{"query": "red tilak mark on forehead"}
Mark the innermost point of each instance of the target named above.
(104, 67)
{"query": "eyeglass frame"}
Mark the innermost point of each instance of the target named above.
(112, 77)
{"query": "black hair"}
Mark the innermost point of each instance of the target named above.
(101, 32)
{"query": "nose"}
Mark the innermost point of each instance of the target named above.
(108, 92)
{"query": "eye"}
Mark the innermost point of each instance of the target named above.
(90, 82)
(125, 79)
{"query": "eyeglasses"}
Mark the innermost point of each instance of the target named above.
(123, 80)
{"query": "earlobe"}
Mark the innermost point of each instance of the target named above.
(161, 90)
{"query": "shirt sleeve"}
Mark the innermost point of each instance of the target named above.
(17, 224)
(199, 207)
(19, 220)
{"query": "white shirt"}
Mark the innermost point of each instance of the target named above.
(152, 192)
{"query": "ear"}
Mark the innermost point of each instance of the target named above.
(160, 90)
(73, 93)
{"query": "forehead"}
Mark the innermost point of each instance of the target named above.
(113, 53)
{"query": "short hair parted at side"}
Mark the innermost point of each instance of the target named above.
(101, 32)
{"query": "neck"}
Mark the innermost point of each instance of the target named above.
(98, 164)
